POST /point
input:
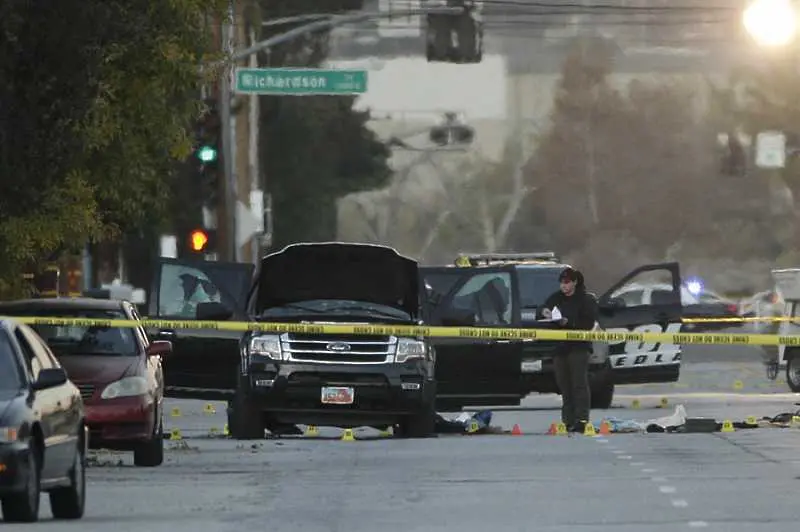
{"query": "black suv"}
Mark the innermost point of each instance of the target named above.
(287, 378)
(507, 290)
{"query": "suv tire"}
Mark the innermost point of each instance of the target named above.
(245, 420)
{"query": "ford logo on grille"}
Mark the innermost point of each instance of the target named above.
(338, 346)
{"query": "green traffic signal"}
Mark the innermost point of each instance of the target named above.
(207, 154)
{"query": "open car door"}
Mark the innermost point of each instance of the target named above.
(203, 363)
(623, 310)
(473, 371)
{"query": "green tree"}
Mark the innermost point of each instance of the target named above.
(315, 149)
(95, 100)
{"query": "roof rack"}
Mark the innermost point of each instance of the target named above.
(477, 259)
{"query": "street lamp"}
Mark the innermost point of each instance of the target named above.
(771, 23)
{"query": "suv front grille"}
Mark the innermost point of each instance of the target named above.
(339, 348)
(87, 391)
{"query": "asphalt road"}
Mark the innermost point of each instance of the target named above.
(746, 480)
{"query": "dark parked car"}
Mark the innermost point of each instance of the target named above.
(43, 436)
(117, 369)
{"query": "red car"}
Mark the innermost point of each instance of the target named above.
(117, 370)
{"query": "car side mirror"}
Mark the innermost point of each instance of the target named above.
(213, 311)
(50, 378)
(458, 318)
(159, 348)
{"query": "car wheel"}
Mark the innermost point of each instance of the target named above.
(151, 453)
(246, 420)
(793, 373)
(602, 395)
(24, 507)
(69, 502)
(419, 425)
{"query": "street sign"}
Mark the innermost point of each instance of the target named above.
(299, 81)
(399, 25)
(771, 149)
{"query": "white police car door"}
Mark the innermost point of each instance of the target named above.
(622, 311)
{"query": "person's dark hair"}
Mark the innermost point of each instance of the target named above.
(571, 274)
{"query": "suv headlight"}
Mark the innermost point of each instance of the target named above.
(127, 387)
(408, 349)
(266, 346)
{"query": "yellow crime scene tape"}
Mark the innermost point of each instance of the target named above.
(501, 333)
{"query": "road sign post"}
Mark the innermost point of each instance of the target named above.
(299, 81)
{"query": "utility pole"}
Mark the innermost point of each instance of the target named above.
(229, 176)
(311, 23)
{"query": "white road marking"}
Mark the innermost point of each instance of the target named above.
(667, 489)
(649, 470)
(637, 464)
(679, 503)
(697, 524)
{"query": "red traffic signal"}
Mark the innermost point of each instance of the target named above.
(198, 240)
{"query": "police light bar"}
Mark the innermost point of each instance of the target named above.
(473, 259)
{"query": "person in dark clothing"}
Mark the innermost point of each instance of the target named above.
(578, 309)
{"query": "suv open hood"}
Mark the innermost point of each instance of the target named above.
(335, 270)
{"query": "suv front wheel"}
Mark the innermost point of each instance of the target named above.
(245, 419)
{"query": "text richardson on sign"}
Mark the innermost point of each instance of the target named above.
(430, 332)
(299, 81)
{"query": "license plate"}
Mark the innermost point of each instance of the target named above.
(531, 366)
(334, 395)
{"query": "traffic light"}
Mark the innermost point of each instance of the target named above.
(207, 137)
(201, 241)
(198, 240)
(455, 38)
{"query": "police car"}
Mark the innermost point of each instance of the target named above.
(507, 290)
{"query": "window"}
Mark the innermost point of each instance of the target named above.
(536, 285)
(488, 296)
(73, 340)
(33, 363)
(41, 353)
(632, 298)
(11, 376)
(663, 297)
(139, 331)
(183, 287)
